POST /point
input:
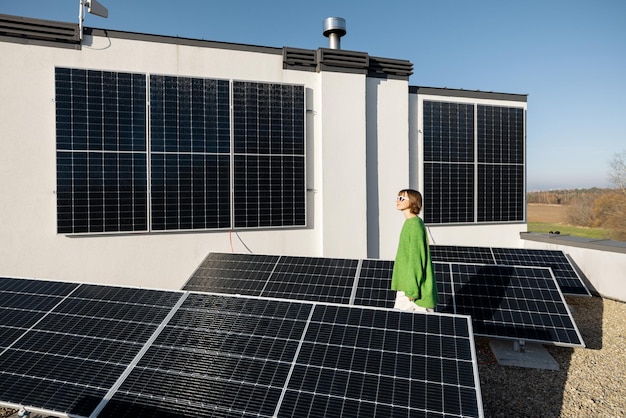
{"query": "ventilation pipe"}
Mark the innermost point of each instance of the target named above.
(334, 29)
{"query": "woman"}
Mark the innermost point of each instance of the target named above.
(413, 274)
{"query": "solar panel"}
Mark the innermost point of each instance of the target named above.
(374, 284)
(461, 254)
(302, 278)
(501, 173)
(245, 274)
(122, 352)
(269, 155)
(101, 151)
(522, 303)
(313, 279)
(566, 276)
(568, 279)
(65, 357)
(537, 310)
(190, 153)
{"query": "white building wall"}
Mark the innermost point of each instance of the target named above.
(388, 162)
(341, 104)
(29, 243)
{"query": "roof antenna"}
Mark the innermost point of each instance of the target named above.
(94, 8)
(334, 29)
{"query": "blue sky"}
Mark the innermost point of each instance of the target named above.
(568, 56)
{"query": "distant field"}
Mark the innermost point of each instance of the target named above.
(552, 218)
(547, 213)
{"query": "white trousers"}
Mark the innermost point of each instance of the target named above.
(403, 303)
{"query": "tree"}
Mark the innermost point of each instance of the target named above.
(581, 210)
(617, 171)
(610, 213)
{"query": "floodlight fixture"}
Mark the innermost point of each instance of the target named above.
(93, 7)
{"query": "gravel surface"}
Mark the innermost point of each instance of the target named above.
(591, 381)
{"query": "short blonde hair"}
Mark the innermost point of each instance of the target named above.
(415, 200)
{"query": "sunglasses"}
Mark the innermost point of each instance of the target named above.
(401, 198)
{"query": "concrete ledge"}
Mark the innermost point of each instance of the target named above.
(594, 244)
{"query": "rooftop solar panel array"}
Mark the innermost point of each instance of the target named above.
(89, 350)
(512, 302)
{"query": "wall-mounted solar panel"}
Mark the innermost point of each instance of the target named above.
(101, 151)
(190, 153)
(121, 352)
(449, 179)
(269, 155)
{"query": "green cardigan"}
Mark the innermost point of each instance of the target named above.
(413, 268)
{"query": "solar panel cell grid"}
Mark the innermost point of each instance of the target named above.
(568, 279)
(244, 274)
(353, 360)
(494, 297)
(374, 284)
(325, 280)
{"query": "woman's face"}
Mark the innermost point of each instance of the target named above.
(402, 201)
